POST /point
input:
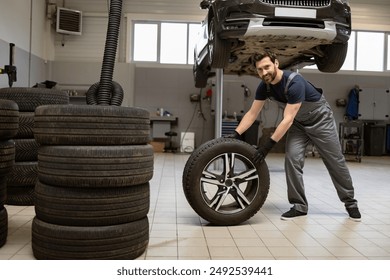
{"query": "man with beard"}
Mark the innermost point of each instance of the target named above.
(307, 117)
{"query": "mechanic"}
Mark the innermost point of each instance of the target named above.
(307, 117)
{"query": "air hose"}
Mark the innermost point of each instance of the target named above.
(107, 92)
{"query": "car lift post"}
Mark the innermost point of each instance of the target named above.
(218, 102)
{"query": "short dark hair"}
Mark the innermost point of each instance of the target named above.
(259, 56)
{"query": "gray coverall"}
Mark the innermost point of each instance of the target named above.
(315, 122)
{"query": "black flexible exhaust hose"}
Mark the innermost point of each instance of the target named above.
(105, 86)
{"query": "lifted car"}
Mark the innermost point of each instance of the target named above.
(299, 32)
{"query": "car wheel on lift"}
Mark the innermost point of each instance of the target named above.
(218, 48)
(200, 74)
(333, 59)
(222, 184)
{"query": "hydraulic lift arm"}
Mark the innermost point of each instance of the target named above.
(10, 69)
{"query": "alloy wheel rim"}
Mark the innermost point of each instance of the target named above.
(229, 183)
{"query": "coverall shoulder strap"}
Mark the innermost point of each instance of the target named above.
(289, 79)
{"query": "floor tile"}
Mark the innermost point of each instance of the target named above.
(255, 252)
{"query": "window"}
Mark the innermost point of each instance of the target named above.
(164, 42)
(194, 30)
(145, 42)
(370, 51)
(349, 63)
(388, 53)
(173, 43)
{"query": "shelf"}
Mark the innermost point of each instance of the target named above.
(351, 140)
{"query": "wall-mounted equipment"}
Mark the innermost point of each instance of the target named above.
(195, 97)
(69, 21)
(10, 69)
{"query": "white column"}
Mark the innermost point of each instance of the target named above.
(218, 102)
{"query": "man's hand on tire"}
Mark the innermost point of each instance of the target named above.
(234, 135)
(262, 151)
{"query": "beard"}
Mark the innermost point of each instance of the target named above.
(269, 77)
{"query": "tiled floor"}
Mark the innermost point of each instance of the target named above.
(176, 231)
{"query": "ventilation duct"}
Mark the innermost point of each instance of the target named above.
(68, 21)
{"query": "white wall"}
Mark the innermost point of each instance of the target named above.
(370, 15)
(87, 47)
(81, 75)
(15, 22)
(23, 23)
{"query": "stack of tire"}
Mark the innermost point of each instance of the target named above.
(92, 194)
(9, 123)
(21, 179)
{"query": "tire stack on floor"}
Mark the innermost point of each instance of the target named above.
(21, 179)
(9, 124)
(92, 196)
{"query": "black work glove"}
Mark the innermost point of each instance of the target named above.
(234, 135)
(262, 151)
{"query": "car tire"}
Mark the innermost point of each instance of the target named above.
(91, 125)
(200, 76)
(28, 99)
(3, 191)
(26, 150)
(7, 156)
(117, 242)
(26, 126)
(9, 119)
(218, 48)
(333, 59)
(222, 184)
(95, 166)
(23, 174)
(21, 182)
(3, 225)
(91, 206)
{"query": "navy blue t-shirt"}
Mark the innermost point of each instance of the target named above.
(299, 90)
